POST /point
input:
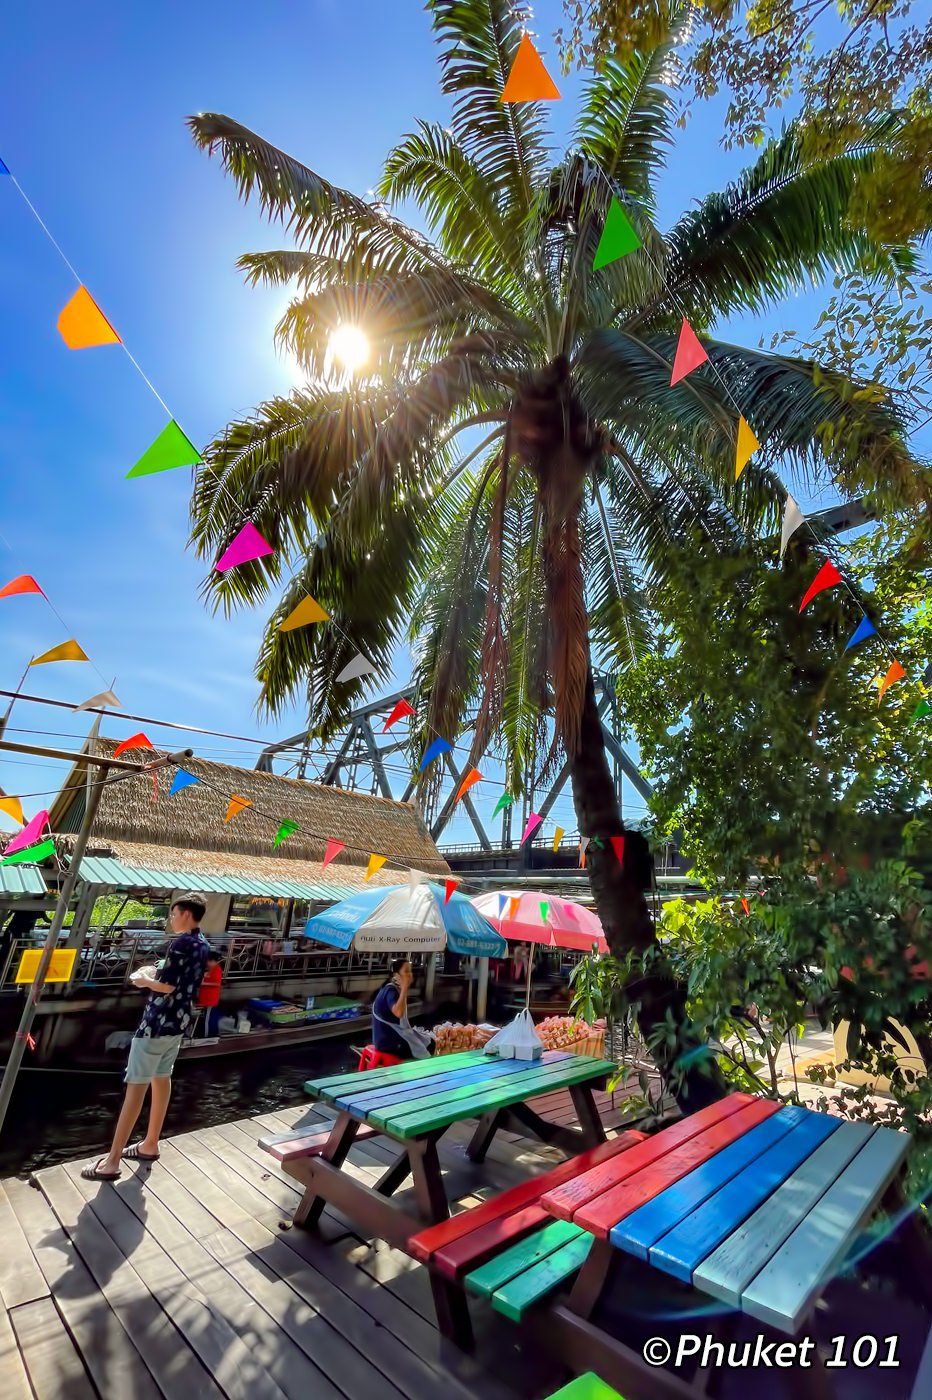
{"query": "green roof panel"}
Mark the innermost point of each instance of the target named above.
(103, 870)
(21, 879)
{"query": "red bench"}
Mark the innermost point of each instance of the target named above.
(305, 1142)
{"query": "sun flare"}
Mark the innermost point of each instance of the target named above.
(349, 346)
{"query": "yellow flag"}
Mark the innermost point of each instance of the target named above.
(13, 808)
(375, 863)
(237, 805)
(308, 610)
(747, 446)
(558, 836)
(68, 651)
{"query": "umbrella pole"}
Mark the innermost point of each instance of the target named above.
(530, 964)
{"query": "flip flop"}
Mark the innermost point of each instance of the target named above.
(92, 1174)
(133, 1154)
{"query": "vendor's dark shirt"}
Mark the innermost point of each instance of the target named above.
(384, 1037)
(170, 1013)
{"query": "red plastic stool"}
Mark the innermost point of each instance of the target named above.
(370, 1058)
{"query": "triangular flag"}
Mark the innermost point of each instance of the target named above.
(470, 780)
(99, 702)
(533, 822)
(284, 831)
(583, 848)
(359, 666)
(792, 519)
(68, 651)
(237, 805)
(30, 834)
(827, 577)
(32, 855)
(618, 846)
(307, 611)
(13, 808)
(401, 711)
(745, 906)
(920, 712)
(558, 836)
(81, 323)
(333, 850)
(864, 629)
(529, 80)
(895, 673)
(181, 781)
(245, 546)
(4, 168)
(24, 584)
(513, 906)
(504, 801)
(415, 878)
(689, 354)
(503, 902)
(438, 747)
(544, 910)
(618, 236)
(448, 887)
(375, 863)
(171, 449)
(747, 446)
(138, 741)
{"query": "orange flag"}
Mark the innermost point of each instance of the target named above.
(513, 905)
(13, 808)
(529, 80)
(24, 584)
(138, 741)
(895, 673)
(449, 887)
(237, 805)
(82, 323)
(68, 651)
(470, 780)
(375, 863)
(307, 611)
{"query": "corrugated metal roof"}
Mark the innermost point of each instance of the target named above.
(21, 879)
(103, 870)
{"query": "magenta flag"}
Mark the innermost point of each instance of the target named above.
(243, 548)
(30, 834)
(533, 822)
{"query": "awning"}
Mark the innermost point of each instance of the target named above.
(21, 879)
(104, 870)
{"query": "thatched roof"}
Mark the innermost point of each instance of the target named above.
(188, 831)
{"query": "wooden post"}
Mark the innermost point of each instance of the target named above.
(482, 990)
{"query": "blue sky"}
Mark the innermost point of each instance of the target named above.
(92, 123)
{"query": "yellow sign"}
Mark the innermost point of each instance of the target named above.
(60, 967)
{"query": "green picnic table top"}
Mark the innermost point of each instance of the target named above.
(587, 1387)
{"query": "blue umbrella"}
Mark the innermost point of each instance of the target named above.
(407, 919)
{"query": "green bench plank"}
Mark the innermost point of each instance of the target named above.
(521, 1293)
(520, 1257)
(330, 1086)
(456, 1105)
(588, 1387)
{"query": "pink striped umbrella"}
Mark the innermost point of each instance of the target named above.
(520, 917)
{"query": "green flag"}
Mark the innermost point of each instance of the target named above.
(618, 237)
(544, 910)
(504, 801)
(31, 855)
(284, 831)
(922, 709)
(171, 449)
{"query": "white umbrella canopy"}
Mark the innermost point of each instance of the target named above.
(406, 919)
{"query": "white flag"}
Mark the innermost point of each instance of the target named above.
(359, 666)
(100, 702)
(792, 519)
(417, 877)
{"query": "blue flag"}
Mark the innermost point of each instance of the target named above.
(865, 629)
(181, 781)
(4, 168)
(438, 747)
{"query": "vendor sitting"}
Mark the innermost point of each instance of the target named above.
(388, 1010)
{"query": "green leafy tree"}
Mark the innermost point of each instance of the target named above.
(515, 469)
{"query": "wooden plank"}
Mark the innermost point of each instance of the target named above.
(602, 1214)
(729, 1269)
(683, 1249)
(520, 1257)
(521, 1293)
(52, 1361)
(122, 1333)
(362, 1104)
(569, 1198)
(21, 1279)
(518, 1088)
(437, 1237)
(644, 1226)
(14, 1383)
(284, 1147)
(783, 1292)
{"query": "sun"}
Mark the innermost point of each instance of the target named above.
(349, 346)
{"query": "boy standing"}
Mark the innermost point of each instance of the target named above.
(156, 1043)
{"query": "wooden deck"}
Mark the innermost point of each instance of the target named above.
(185, 1281)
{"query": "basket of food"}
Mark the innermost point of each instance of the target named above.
(452, 1038)
(570, 1033)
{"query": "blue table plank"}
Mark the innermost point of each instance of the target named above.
(683, 1249)
(362, 1103)
(645, 1226)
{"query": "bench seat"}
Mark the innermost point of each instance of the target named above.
(306, 1142)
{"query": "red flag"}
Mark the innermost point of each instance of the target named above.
(138, 741)
(24, 584)
(333, 850)
(399, 712)
(745, 906)
(689, 354)
(449, 887)
(618, 846)
(895, 673)
(827, 577)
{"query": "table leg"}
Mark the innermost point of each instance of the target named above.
(592, 1278)
(394, 1175)
(590, 1119)
(428, 1180)
(311, 1206)
(481, 1139)
(452, 1309)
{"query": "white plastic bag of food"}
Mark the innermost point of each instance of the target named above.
(516, 1041)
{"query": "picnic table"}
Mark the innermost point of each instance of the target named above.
(415, 1103)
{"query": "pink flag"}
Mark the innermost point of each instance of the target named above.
(689, 354)
(29, 835)
(333, 850)
(245, 547)
(533, 822)
(827, 577)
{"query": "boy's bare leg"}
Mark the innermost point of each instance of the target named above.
(158, 1107)
(132, 1103)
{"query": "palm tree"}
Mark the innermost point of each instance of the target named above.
(515, 469)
